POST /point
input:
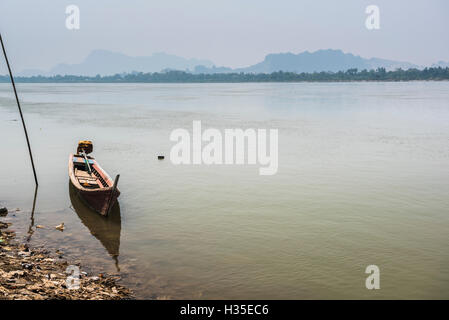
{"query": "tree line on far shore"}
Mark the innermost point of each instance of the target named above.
(380, 74)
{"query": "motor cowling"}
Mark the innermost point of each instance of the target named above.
(85, 145)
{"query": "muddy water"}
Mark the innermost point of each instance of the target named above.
(363, 179)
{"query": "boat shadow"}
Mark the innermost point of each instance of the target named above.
(105, 229)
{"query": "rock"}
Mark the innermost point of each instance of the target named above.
(27, 266)
(3, 211)
(60, 227)
(24, 253)
(16, 273)
(3, 225)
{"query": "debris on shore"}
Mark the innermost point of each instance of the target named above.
(34, 274)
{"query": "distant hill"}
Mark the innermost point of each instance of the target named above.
(321, 60)
(442, 64)
(109, 63)
(213, 70)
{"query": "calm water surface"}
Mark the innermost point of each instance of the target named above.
(363, 179)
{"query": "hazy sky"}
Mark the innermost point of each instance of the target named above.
(231, 33)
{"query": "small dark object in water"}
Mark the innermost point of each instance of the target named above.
(160, 157)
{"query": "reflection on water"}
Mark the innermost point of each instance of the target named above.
(30, 229)
(106, 229)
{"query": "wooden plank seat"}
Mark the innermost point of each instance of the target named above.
(85, 178)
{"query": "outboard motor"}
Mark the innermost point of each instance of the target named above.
(86, 146)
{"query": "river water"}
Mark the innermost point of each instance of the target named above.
(363, 179)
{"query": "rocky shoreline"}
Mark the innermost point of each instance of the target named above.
(36, 274)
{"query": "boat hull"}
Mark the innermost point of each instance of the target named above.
(101, 199)
(107, 231)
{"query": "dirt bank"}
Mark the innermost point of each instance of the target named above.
(31, 273)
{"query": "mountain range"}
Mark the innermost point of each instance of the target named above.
(103, 62)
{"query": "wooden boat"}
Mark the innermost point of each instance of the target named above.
(93, 184)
